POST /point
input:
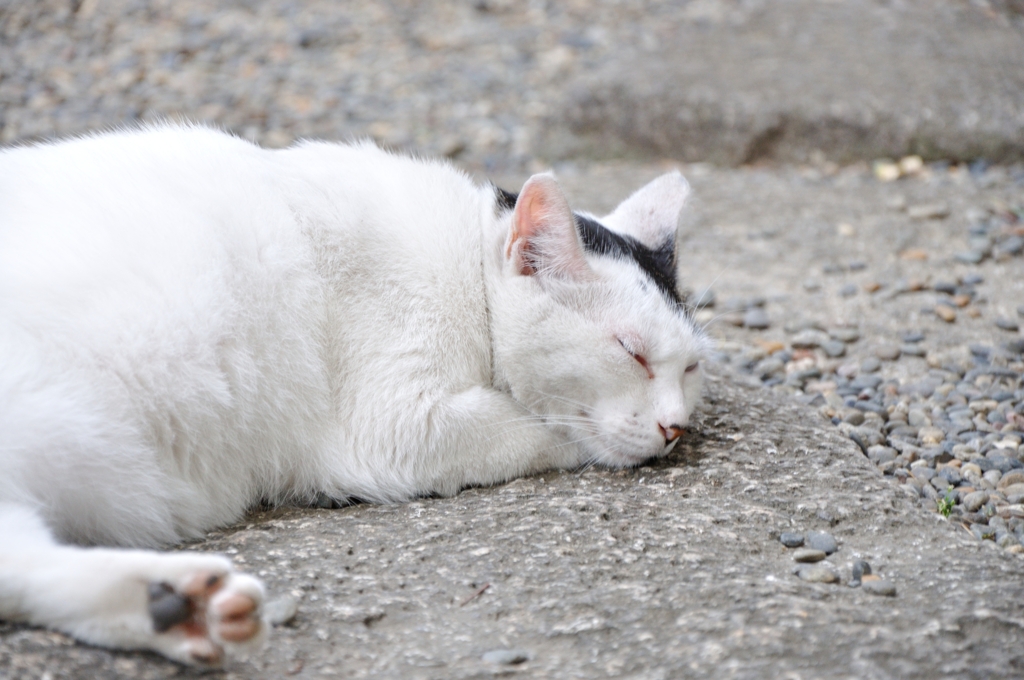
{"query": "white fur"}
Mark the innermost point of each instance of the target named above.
(190, 324)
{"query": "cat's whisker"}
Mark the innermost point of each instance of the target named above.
(583, 469)
(527, 422)
(580, 440)
(697, 305)
(713, 319)
(567, 400)
(552, 420)
(592, 462)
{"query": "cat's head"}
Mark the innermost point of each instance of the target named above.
(589, 329)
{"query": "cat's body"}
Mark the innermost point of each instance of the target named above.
(190, 324)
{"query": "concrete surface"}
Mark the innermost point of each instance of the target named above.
(740, 82)
(667, 571)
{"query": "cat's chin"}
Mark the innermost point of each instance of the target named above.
(624, 459)
(635, 460)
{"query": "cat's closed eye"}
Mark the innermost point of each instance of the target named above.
(692, 367)
(640, 359)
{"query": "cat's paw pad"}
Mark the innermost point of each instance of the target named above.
(206, 611)
(235, 613)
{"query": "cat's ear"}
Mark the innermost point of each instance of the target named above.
(651, 213)
(542, 239)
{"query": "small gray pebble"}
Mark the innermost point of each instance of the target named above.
(923, 473)
(797, 325)
(809, 339)
(995, 417)
(834, 348)
(870, 365)
(506, 657)
(854, 416)
(867, 381)
(881, 454)
(973, 501)
(792, 539)
(1011, 246)
(914, 336)
(1005, 539)
(756, 318)
(887, 467)
(810, 285)
(881, 587)
(860, 568)
(823, 541)
(808, 555)
(816, 573)
(845, 334)
(983, 532)
(918, 418)
(970, 256)
(281, 610)
(1007, 324)
(849, 290)
(981, 243)
(769, 367)
(887, 352)
(1016, 346)
(913, 350)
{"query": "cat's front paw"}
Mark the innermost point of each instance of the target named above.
(200, 615)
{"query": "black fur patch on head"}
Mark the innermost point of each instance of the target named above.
(659, 265)
(506, 200)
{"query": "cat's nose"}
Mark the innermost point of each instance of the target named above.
(670, 433)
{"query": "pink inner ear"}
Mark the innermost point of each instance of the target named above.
(526, 225)
(544, 231)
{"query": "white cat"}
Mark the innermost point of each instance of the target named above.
(190, 324)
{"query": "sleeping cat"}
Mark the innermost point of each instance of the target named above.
(190, 324)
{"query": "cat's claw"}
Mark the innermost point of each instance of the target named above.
(206, 613)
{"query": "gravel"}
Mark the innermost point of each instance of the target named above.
(929, 396)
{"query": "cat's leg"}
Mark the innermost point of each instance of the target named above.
(483, 436)
(190, 607)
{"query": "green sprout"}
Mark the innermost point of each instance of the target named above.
(946, 504)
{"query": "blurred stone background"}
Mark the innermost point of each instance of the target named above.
(499, 84)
